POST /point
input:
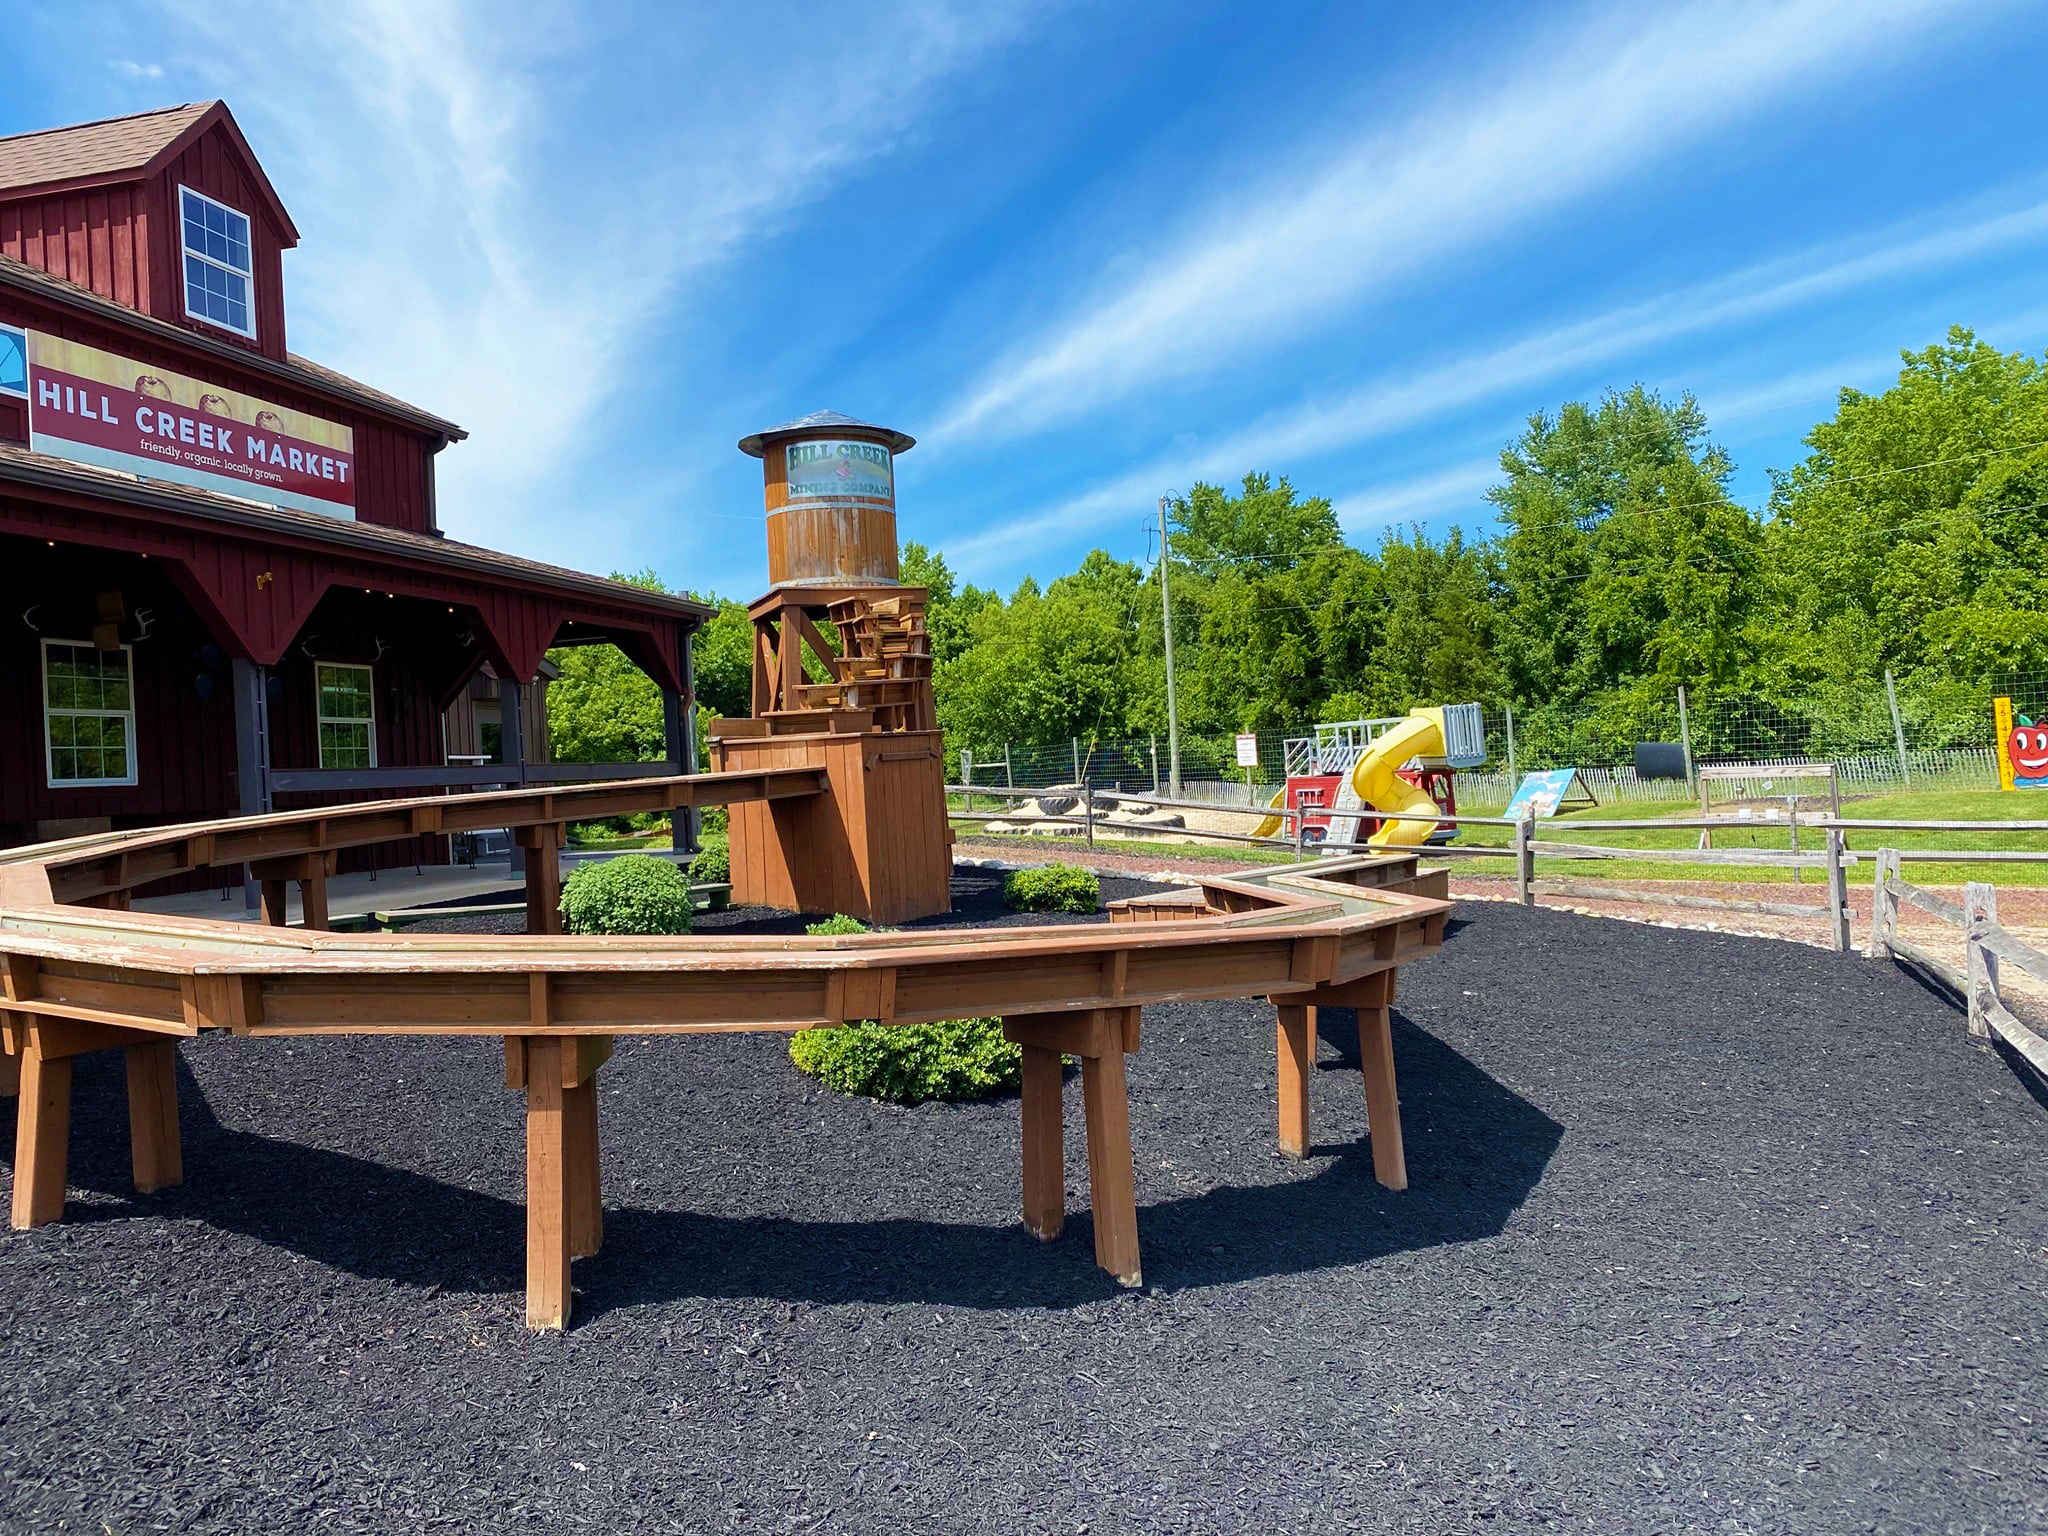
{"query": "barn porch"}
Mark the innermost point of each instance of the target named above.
(165, 664)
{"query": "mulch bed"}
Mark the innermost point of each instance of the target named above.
(1706, 1234)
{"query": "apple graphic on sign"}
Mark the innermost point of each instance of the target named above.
(2027, 750)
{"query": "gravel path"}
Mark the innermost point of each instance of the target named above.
(1706, 1234)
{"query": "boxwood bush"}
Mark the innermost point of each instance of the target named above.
(1052, 888)
(838, 922)
(633, 893)
(911, 1063)
(713, 863)
(908, 1063)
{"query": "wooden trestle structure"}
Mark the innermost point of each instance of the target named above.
(83, 973)
(836, 789)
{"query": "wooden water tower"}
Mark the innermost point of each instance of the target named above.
(878, 846)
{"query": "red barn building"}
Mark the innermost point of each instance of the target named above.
(223, 585)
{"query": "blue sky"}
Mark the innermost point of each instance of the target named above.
(1088, 254)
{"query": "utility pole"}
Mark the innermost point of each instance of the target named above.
(1172, 706)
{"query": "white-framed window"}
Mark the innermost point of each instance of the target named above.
(88, 714)
(348, 715)
(219, 278)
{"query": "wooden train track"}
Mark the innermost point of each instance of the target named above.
(84, 972)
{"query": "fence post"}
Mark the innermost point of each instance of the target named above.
(1155, 762)
(1838, 894)
(1884, 907)
(1980, 966)
(967, 777)
(1088, 812)
(1685, 735)
(1525, 863)
(1509, 709)
(1077, 759)
(1891, 698)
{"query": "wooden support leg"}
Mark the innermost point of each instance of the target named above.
(1382, 1103)
(547, 1187)
(543, 846)
(1296, 1034)
(1100, 1037)
(42, 1136)
(1045, 1159)
(153, 1141)
(313, 901)
(586, 1202)
(1112, 1183)
(276, 908)
(10, 1076)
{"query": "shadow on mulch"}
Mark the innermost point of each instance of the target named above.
(380, 1222)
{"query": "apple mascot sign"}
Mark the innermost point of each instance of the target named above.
(2022, 749)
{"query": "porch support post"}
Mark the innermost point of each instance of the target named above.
(252, 719)
(512, 732)
(679, 731)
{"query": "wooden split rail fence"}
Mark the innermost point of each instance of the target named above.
(1985, 945)
(1832, 859)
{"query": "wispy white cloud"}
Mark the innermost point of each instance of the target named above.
(135, 71)
(1418, 497)
(1404, 400)
(502, 206)
(1574, 115)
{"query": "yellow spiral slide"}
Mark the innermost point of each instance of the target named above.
(1379, 785)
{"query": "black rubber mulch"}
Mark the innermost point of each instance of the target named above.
(1705, 1234)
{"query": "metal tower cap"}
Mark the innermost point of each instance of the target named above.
(756, 443)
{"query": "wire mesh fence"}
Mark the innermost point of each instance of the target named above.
(1920, 734)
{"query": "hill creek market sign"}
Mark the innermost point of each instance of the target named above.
(94, 407)
(831, 469)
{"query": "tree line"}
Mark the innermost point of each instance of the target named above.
(1912, 538)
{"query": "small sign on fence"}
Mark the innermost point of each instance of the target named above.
(2022, 748)
(1247, 750)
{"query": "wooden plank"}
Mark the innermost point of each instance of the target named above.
(1296, 1034)
(1112, 1177)
(154, 1145)
(2000, 942)
(1657, 897)
(42, 1137)
(313, 902)
(1926, 901)
(1382, 1102)
(580, 1153)
(1045, 1168)
(547, 1187)
(2030, 1046)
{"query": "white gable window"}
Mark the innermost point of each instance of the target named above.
(348, 715)
(88, 714)
(218, 277)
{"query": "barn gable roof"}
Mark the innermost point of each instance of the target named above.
(129, 148)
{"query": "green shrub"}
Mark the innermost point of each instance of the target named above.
(713, 863)
(911, 1063)
(1052, 888)
(634, 893)
(907, 1063)
(838, 922)
(714, 821)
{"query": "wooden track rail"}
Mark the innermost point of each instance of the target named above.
(81, 972)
